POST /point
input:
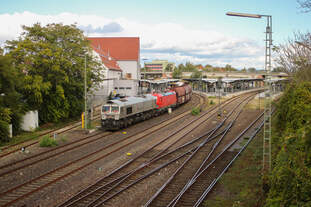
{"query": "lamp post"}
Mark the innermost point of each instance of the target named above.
(85, 95)
(267, 105)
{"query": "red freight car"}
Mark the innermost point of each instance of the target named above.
(165, 100)
(183, 93)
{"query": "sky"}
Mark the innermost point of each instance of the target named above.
(196, 31)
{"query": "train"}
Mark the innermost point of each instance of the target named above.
(123, 112)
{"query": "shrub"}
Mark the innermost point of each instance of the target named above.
(195, 111)
(47, 141)
(211, 102)
(4, 131)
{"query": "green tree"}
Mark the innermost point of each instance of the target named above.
(181, 67)
(278, 69)
(251, 70)
(290, 180)
(177, 73)
(11, 102)
(189, 67)
(52, 58)
(169, 67)
(196, 74)
(229, 68)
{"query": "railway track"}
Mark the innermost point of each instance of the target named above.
(43, 156)
(21, 191)
(199, 186)
(117, 181)
(180, 190)
(7, 150)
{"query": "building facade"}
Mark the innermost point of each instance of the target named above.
(125, 51)
(157, 69)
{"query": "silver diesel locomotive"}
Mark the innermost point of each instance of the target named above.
(120, 113)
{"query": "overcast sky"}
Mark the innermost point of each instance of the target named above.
(176, 30)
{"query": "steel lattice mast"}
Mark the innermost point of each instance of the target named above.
(268, 99)
(267, 106)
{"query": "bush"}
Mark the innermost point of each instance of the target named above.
(290, 179)
(195, 111)
(211, 102)
(47, 141)
(4, 131)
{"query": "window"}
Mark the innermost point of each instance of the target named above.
(116, 88)
(106, 109)
(128, 88)
(128, 110)
(121, 88)
(115, 109)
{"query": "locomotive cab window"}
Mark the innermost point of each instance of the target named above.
(106, 109)
(129, 110)
(115, 109)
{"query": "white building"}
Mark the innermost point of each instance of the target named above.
(124, 50)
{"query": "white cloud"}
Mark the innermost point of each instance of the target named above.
(158, 41)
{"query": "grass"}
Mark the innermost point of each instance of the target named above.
(24, 136)
(241, 185)
(195, 111)
(47, 141)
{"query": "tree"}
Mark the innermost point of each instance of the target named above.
(12, 106)
(169, 67)
(290, 179)
(305, 5)
(295, 56)
(52, 59)
(278, 69)
(177, 73)
(251, 70)
(196, 74)
(229, 68)
(189, 67)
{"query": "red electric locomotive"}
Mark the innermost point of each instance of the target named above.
(165, 100)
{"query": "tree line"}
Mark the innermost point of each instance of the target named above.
(199, 68)
(44, 70)
(290, 179)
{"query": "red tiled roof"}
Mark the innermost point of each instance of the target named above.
(107, 60)
(120, 48)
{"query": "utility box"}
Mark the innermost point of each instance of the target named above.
(30, 121)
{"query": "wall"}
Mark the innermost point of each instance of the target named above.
(126, 87)
(129, 66)
(30, 121)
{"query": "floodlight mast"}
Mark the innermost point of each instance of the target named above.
(267, 105)
(244, 15)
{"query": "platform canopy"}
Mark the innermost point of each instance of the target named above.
(224, 80)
